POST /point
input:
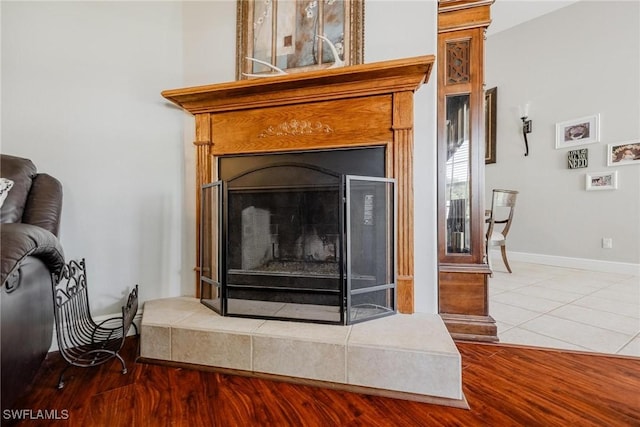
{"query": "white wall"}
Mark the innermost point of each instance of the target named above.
(580, 60)
(81, 86)
(81, 97)
(398, 29)
(208, 42)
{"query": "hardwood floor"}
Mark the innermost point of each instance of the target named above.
(504, 385)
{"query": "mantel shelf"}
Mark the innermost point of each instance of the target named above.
(377, 78)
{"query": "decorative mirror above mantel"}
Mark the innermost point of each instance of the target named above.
(275, 37)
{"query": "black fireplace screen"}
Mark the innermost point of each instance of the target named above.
(293, 241)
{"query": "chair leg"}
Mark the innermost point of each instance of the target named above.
(503, 249)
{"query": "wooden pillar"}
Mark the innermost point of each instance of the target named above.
(203, 144)
(463, 272)
(403, 173)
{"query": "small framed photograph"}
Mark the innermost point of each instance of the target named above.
(572, 133)
(601, 180)
(624, 153)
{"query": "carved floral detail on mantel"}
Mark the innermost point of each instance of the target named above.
(296, 127)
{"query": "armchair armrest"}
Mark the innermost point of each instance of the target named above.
(22, 240)
(44, 204)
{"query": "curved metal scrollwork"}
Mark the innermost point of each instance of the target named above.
(83, 342)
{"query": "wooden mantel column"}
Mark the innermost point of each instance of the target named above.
(403, 172)
(203, 145)
(363, 105)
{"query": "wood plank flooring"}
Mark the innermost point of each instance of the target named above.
(504, 385)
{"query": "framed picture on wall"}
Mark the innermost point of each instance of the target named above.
(623, 153)
(601, 180)
(490, 110)
(295, 36)
(572, 133)
(578, 159)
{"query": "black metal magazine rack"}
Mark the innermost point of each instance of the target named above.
(83, 342)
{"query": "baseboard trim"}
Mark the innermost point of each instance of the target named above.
(569, 262)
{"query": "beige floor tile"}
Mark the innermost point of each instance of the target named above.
(601, 319)
(528, 302)
(538, 271)
(510, 314)
(253, 308)
(617, 307)
(517, 278)
(230, 350)
(575, 284)
(632, 348)
(334, 334)
(525, 337)
(205, 319)
(590, 337)
(503, 327)
(549, 293)
(169, 310)
(601, 277)
(632, 282)
(405, 371)
(155, 342)
(419, 332)
(619, 293)
(324, 361)
(310, 311)
(505, 284)
(567, 284)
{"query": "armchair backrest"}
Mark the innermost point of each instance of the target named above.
(34, 198)
(21, 172)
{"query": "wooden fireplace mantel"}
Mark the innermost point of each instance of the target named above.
(356, 106)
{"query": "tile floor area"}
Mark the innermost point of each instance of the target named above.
(566, 308)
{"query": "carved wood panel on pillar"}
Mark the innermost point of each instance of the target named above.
(356, 106)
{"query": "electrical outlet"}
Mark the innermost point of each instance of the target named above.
(607, 243)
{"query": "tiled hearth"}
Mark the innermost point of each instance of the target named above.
(411, 356)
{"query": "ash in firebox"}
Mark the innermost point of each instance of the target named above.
(293, 267)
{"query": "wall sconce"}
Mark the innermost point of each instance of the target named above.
(526, 127)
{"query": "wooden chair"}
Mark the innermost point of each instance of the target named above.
(503, 203)
(83, 342)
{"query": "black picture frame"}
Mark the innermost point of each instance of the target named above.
(490, 110)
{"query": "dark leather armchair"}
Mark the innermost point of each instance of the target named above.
(30, 253)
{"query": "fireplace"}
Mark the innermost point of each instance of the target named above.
(357, 107)
(305, 236)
